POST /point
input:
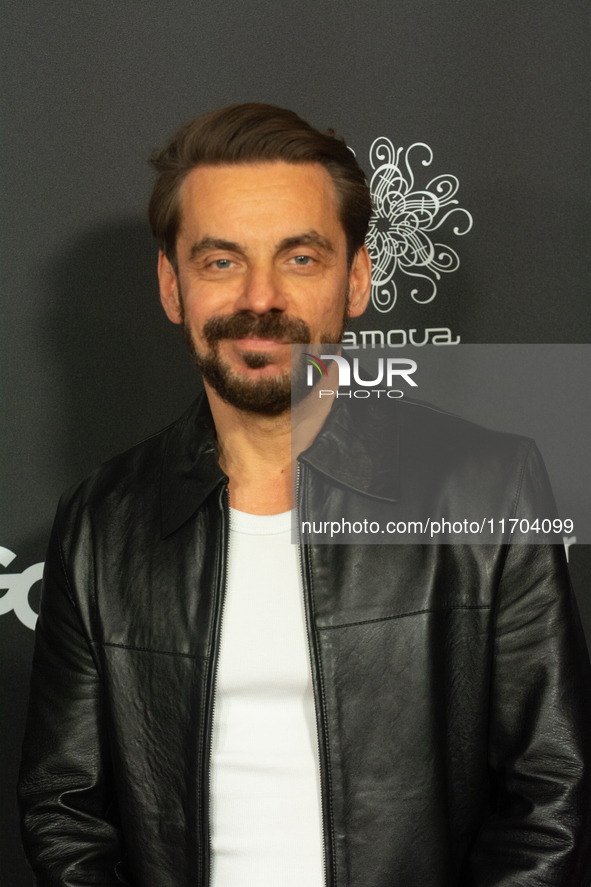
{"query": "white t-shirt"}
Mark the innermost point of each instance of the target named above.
(265, 797)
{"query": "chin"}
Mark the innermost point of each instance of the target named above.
(259, 386)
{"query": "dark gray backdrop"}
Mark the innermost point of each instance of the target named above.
(499, 91)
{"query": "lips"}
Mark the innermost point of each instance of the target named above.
(258, 342)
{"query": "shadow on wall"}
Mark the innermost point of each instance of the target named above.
(122, 373)
(124, 369)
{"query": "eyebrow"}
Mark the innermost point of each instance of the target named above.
(308, 238)
(209, 243)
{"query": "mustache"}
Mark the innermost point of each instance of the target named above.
(246, 324)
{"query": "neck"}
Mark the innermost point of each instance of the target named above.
(259, 453)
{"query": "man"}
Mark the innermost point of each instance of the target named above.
(214, 705)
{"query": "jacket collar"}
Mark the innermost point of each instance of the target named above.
(190, 470)
(347, 450)
(358, 447)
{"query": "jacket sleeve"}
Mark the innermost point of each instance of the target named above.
(540, 723)
(68, 805)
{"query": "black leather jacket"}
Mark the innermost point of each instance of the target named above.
(451, 681)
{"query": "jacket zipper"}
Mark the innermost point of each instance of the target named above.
(320, 731)
(216, 638)
(215, 653)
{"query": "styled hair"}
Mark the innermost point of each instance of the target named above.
(255, 133)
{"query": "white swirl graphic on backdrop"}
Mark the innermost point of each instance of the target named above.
(400, 232)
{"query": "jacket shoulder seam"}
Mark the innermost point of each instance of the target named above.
(63, 565)
(521, 477)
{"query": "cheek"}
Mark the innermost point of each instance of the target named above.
(193, 318)
(198, 306)
(205, 300)
(333, 307)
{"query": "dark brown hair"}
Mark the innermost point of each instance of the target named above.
(255, 133)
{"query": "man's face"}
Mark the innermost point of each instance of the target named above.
(262, 263)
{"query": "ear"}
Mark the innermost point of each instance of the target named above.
(169, 289)
(359, 283)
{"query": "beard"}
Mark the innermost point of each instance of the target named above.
(269, 396)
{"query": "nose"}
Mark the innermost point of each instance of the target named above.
(261, 291)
